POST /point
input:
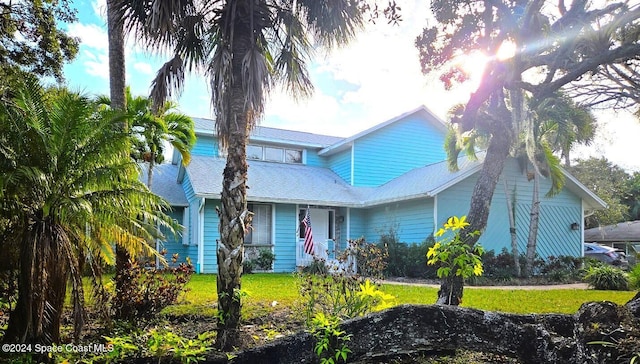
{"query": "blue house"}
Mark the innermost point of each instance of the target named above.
(393, 175)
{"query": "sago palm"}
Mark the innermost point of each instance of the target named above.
(69, 191)
(246, 48)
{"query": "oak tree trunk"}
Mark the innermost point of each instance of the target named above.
(451, 289)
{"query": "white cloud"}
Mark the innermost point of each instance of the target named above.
(98, 66)
(91, 35)
(143, 67)
(615, 137)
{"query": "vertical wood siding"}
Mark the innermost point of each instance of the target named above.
(396, 149)
(557, 213)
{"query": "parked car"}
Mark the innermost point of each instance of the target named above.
(606, 254)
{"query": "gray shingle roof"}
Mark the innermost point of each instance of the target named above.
(275, 182)
(165, 183)
(297, 183)
(628, 231)
(263, 133)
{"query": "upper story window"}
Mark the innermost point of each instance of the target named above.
(274, 154)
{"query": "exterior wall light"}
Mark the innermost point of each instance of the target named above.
(575, 226)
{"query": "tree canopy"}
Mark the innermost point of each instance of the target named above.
(555, 45)
(31, 38)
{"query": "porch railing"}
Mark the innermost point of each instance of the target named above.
(325, 250)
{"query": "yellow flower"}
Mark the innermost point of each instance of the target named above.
(440, 232)
(367, 289)
(455, 223)
(477, 269)
(433, 250)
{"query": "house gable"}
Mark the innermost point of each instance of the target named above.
(396, 149)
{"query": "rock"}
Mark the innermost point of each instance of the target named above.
(539, 339)
(634, 305)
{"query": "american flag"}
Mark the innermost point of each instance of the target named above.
(308, 235)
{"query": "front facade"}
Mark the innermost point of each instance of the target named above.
(392, 176)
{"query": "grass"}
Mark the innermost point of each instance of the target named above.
(262, 289)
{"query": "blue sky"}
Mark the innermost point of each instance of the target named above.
(372, 80)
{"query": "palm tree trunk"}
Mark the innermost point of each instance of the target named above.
(117, 69)
(41, 288)
(150, 171)
(117, 80)
(451, 290)
(512, 230)
(233, 213)
(233, 219)
(533, 227)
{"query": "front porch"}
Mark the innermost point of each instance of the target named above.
(324, 250)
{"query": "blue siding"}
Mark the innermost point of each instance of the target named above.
(313, 159)
(206, 146)
(412, 220)
(211, 236)
(193, 206)
(174, 245)
(285, 238)
(340, 163)
(556, 214)
(357, 223)
(396, 149)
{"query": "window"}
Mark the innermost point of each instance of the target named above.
(293, 156)
(260, 232)
(254, 152)
(273, 154)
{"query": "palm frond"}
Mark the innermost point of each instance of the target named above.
(169, 80)
(332, 22)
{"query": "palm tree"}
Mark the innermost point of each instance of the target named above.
(152, 129)
(246, 47)
(68, 191)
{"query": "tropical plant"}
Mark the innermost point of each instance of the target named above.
(560, 44)
(606, 277)
(153, 128)
(454, 257)
(247, 47)
(68, 191)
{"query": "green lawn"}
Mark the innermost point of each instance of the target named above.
(263, 289)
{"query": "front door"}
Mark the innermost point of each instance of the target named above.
(319, 225)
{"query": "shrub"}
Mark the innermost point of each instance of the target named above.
(265, 259)
(605, 277)
(498, 267)
(151, 289)
(562, 269)
(317, 266)
(247, 266)
(634, 278)
(340, 295)
(371, 259)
